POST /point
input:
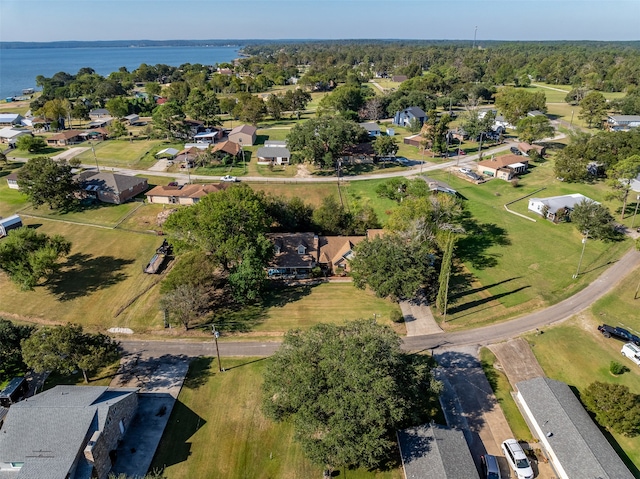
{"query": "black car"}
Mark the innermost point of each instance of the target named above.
(515, 150)
(619, 333)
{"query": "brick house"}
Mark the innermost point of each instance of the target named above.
(111, 187)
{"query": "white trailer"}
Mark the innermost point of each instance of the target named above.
(8, 224)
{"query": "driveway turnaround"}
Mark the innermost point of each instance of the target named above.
(418, 319)
(517, 360)
(160, 379)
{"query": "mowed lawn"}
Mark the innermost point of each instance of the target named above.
(121, 153)
(577, 354)
(325, 303)
(513, 266)
(102, 274)
(217, 429)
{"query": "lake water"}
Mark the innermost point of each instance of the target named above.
(20, 67)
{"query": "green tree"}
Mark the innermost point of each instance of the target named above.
(224, 223)
(117, 129)
(435, 131)
(473, 123)
(534, 128)
(65, 349)
(152, 89)
(322, 140)
(3, 160)
(248, 278)
(11, 362)
(514, 103)
(620, 178)
(169, 119)
(57, 110)
(593, 109)
(250, 108)
(46, 181)
(346, 390)
(331, 218)
(385, 146)
(615, 407)
(118, 107)
(275, 106)
(29, 257)
(593, 219)
(203, 106)
(32, 144)
(392, 267)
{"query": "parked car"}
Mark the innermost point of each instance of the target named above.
(517, 459)
(490, 467)
(465, 170)
(515, 150)
(474, 176)
(619, 333)
(229, 179)
(402, 160)
(632, 352)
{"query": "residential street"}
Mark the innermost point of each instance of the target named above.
(480, 336)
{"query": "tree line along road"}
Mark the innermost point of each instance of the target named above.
(480, 336)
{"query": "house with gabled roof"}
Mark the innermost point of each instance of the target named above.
(65, 138)
(295, 255)
(404, 117)
(373, 129)
(110, 187)
(575, 445)
(336, 252)
(503, 167)
(432, 451)
(182, 195)
(273, 155)
(243, 134)
(68, 432)
(622, 122)
(10, 119)
(555, 208)
(228, 147)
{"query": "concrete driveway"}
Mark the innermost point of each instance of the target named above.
(160, 380)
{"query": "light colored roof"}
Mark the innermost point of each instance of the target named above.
(580, 447)
(554, 203)
(10, 220)
(47, 431)
(186, 191)
(246, 129)
(8, 132)
(133, 116)
(168, 151)
(9, 117)
(273, 152)
(272, 143)
(334, 248)
(624, 118)
(431, 451)
(502, 161)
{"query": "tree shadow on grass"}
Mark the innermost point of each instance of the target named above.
(84, 274)
(199, 372)
(473, 304)
(480, 237)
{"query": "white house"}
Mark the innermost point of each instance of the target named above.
(548, 207)
(273, 155)
(373, 129)
(10, 135)
(623, 122)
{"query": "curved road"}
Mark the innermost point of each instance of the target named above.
(480, 336)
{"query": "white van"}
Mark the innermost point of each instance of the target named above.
(632, 352)
(517, 459)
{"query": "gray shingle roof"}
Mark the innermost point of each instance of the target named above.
(109, 181)
(273, 152)
(416, 111)
(47, 432)
(370, 126)
(580, 447)
(554, 203)
(431, 451)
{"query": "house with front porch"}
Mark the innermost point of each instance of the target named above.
(556, 208)
(622, 122)
(273, 155)
(65, 138)
(295, 255)
(503, 167)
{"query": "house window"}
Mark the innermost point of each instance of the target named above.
(302, 249)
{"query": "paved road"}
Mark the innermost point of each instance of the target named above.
(480, 336)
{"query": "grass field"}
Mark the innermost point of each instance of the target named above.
(502, 390)
(102, 214)
(124, 153)
(100, 277)
(217, 429)
(11, 201)
(514, 266)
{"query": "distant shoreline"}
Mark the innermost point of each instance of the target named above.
(124, 44)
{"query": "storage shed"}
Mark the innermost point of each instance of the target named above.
(9, 223)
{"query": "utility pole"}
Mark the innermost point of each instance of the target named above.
(216, 335)
(584, 243)
(95, 157)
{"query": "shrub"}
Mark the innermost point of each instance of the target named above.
(515, 182)
(396, 316)
(617, 368)
(614, 406)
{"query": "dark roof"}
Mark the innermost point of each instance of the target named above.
(365, 149)
(415, 111)
(370, 126)
(12, 177)
(576, 441)
(431, 451)
(287, 244)
(108, 181)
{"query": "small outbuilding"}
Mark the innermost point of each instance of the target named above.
(243, 135)
(373, 129)
(9, 223)
(12, 181)
(555, 208)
